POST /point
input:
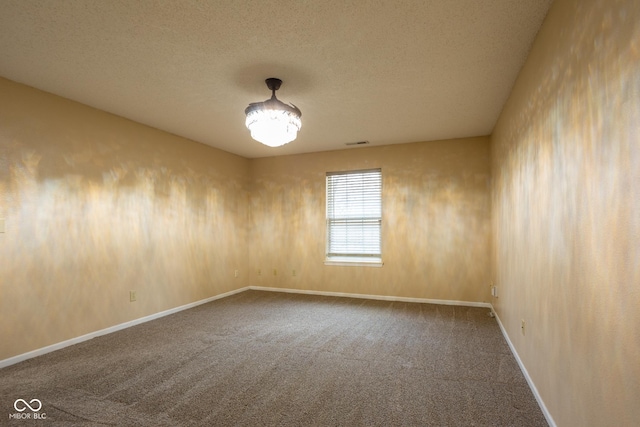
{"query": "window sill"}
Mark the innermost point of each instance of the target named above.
(354, 262)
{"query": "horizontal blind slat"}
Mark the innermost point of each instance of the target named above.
(354, 211)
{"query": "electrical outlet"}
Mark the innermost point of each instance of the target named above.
(522, 326)
(132, 296)
(259, 272)
(275, 272)
(235, 274)
(293, 273)
(494, 291)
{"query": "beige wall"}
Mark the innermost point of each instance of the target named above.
(566, 213)
(96, 206)
(435, 229)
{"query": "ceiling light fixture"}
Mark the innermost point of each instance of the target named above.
(273, 122)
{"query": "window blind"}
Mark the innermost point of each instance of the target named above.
(354, 213)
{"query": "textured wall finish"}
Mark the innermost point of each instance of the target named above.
(96, 206)
(566, 222)
(435, 229)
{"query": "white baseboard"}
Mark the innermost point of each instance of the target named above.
(57, 346)
(375, 297)
(48, 349)
(21, 357)
(532, 386)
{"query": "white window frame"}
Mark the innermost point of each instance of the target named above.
(355, 214)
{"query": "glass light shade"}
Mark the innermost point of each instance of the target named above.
(273, 127)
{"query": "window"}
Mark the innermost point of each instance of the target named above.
(354, 217)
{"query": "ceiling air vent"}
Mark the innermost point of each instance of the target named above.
(357, 143)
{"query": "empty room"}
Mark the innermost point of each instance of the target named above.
(341, 213)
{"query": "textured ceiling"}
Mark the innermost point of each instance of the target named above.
(384, 71)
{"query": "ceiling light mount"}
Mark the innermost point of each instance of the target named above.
(273, 84)
(272, 122)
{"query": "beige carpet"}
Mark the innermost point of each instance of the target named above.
(274, 359)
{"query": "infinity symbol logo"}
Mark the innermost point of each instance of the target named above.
(25, 405)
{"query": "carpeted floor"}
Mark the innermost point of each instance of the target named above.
(274, 359)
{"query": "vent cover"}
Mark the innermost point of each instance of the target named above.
(357, 143)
